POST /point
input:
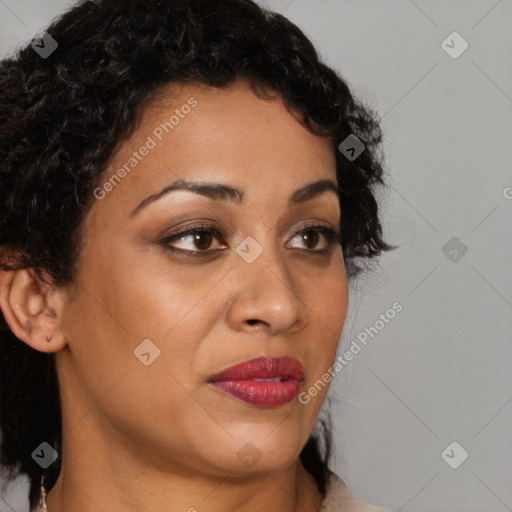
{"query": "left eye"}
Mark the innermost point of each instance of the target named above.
(329, 235)
(200, 238)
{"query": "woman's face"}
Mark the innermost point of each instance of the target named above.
(206, 301)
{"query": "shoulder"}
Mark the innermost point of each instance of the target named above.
(340, 498)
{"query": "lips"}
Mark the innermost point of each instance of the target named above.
(262, 382)
(262, 368)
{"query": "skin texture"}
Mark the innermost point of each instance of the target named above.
(159, 437)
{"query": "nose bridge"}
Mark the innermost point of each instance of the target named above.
(265, 288)
(264, 255)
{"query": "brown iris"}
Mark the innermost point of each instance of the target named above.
(203, 237)
(310, 238)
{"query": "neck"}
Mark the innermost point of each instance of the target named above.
(86, 485)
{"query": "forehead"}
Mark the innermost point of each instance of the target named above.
(228, 121)
(224, 134)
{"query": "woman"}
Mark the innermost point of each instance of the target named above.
(178, 229)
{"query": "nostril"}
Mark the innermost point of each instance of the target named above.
(252, 322)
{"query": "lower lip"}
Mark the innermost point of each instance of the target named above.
(258, 393)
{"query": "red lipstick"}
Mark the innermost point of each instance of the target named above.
(262, 382)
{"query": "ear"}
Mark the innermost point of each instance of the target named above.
(32, 309)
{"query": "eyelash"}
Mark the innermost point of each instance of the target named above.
(330, 235)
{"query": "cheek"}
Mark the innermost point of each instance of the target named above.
(172, 304)
(121, 305)
(327, 298)
(328, 304)
(149, 295)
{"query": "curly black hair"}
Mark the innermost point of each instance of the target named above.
(63, 116)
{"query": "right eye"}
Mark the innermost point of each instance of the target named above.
(200, 239)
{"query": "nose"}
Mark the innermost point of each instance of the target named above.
(266, 296)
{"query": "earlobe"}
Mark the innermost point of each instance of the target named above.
(32, 309)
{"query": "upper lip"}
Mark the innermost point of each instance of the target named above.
(262, 368)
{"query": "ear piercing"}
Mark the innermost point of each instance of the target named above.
(49, 337)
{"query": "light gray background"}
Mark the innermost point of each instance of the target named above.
(440, 370)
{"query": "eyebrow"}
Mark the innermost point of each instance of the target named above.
(224, 192)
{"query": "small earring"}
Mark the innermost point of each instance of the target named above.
(49, 337)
